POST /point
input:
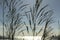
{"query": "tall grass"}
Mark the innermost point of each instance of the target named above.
(3, 19)
(3, 8)
(14, 23)
(47, 32)
(37, 16)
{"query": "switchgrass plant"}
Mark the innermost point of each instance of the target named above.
(37, 16)
(14, 17)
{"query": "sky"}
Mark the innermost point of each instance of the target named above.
(53, 4)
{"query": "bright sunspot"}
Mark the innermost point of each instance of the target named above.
(29, 37)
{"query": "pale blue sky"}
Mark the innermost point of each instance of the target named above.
(53, 4)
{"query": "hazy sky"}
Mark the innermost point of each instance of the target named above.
(53, 4)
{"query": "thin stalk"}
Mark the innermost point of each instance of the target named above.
(3, 19)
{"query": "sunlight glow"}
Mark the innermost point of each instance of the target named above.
(29, 37)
